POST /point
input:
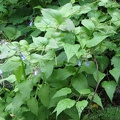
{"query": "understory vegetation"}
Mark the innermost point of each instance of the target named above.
(59, 59)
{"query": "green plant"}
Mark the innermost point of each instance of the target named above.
(108, 113)
(73, 51)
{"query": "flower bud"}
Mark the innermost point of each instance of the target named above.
(31, 23)
(36, 72)
(1, 72)
(79, 62)
(22, 57)
(87, 63)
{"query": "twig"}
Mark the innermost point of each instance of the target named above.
(95, 88)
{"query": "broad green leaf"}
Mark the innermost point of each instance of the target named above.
(73, 113)
(88, 69)
(18, 73)
(61, 58)
(44, 24)
(14, 106)
(2, 8)
(35, 33)
(35, 58)
(32, 104)
(80, 105)
(64, 104)
(11, 32)
(103, 2)
(52, 44)
(95, 98)
(40, 41)
(84, 91)
(42, 116)
(23, 43)
(62, 92)
(52, 15)
(88, 24)
(103, 62)
(27, 115)
(7, 50)
(116, 61)
(115, 17)
(11, 64)
(98, 38)
(98, 76)
(82, 36)
(95, 14)
(65, 12)
(67, 25)
(84, 9)
(54, 102)
(62, 2)
(109, 45)
(50, 55)
(115, 72)
(79, 82)
(10, 79)
(110, 87)
(62, 73)
(46, 68)
(25, 88)
(68, 38)
(71, 50)
(44, 95)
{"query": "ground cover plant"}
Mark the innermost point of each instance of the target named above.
(59, 59)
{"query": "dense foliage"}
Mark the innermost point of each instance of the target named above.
(58, 59)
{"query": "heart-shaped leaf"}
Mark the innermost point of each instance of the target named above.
(109, 87)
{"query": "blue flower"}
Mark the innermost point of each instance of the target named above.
(1, 72)
(22, 56)
(31, 23)
(87, 63)
(79, 63)
(36, 72)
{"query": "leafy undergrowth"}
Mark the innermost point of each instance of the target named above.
(110, 113)
(59, 61)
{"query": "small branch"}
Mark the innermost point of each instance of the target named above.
(95, 88)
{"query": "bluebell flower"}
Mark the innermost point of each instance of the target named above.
(31, 23)
(87, 63)
(22, 56)
(79, 63)
(36, 72)
(1, 72)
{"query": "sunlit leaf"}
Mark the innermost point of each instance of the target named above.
(80, 105)
(64, 104)
(95, 40)
(32, 104)
(79, 82)
(88, 24)
(62, 92)
(115, 72)
(44, 95)
(94, 96)
(109, 87)
(71, 50)
(98, 76)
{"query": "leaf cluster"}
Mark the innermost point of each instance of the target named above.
(57, 57)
